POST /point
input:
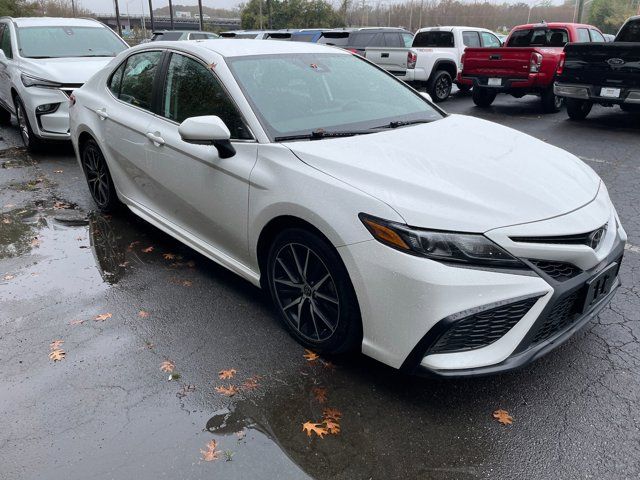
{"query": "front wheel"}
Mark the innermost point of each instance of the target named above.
(551, 103)
(29, 139)
(98, 177)
(439, 86)
(578, 109)
(483, 97)
(312, 292)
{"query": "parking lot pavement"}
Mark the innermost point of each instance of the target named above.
(122, 308)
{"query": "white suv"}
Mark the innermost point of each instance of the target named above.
(42, 60)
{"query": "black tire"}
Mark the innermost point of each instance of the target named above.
(439, 87)
(578, 109)
(464, 88)
(33, 143)
(5, 116)
(551, 103)
(322, 315)
(483, 97)
(98, 177)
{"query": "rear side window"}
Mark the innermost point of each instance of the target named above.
(583, 35)
(362, 39)
(136, 79)
(392, 40)
(539, 37)
(490, 40)
(471, 39)
(5, 40)
(303, 37)
(433, 39)
(407, 39)
(596, 36)
(339, 39)
(197, 36)
(191, 90)
(630, 32)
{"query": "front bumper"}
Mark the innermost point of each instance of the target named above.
(408, 303)
(52, 125)
(592, 93)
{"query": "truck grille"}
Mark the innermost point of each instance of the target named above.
(559, 271)
(481, 329)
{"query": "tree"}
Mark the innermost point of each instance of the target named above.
(609, 15)
(16, 8)
(291, 14)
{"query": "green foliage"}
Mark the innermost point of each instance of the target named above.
(291, 14)
(16, 8)
(609, 15)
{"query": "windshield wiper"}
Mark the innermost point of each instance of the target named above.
(403, 123)
(320, 134)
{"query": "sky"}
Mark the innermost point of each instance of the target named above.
(135, 6)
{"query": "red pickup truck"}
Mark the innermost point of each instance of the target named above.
(526, 64)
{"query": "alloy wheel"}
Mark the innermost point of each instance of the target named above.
(306, 292)
(443, 87)
(97, 175)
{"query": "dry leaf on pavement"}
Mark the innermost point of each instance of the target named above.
(229, 390)
(320, 394)
(503, 417)
(56, 344)
(168, 256)
(102, 317)
(167, 366)
(310, 356)
(147, 250)
(211, 453)
(143, 314)
(332, 426)
(332, 413)
(226, 374)
(57, 355)
(317, 428)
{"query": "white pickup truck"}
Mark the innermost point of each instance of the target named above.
(433, 60)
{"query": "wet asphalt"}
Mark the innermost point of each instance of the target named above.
(107, 411)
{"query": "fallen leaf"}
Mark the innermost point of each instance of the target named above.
(123, 264)
(6, 221)
(8, 277)
(56, 344)
(332, 426)
(187, 283)
(102, 317)
(332, 413)
(226, 374)
(185, 390)
(147, 250)
(35, 242)
(57, 355)
(57, 171)
(61, 205)
(320, 394)
(310, 356)
(76, 322)
(228, 391)
(132, 245)
(317, 428)
(167, 366)
(251, 383)
(143, 314)
(503, 417)
(211, 453)
(168, 256)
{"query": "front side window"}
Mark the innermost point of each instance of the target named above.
(191, 90)
(490, 40)
(5, 40)
(539, 37)
(433, 39)
(64, 41)
(297, 94)
(471, 39)
(583, 35)
(596, 36)
(137, 78)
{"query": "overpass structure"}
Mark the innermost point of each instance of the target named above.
(164, 23)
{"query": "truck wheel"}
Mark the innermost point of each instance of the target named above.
(439, 86)
(551, 103)
(578, 109)
(483, 97)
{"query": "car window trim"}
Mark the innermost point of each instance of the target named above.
(477, 33)
(161, 84)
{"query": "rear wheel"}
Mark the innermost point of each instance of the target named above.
(551, 103)
(483, 97)
(439, 86)
(312, 292)
(29, 139)
(578, 109)
(98, 177)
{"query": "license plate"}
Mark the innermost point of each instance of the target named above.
(610, 92)
(494, 82)
(599, 286)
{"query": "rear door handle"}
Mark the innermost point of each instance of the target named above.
(155, 138)
(102, 113)
(384, 55)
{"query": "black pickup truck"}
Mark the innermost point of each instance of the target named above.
(603, 73)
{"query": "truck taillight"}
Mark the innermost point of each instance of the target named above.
(412, 58)
(560, 68)
(535, 62)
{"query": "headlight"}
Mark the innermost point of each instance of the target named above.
(30, 81)
(468, 248)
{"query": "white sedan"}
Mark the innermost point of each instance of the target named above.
(434, 243)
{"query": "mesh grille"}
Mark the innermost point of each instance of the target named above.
(561, 316)
(482, 329)
(559, 271)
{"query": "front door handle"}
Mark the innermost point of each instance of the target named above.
(102, 113)
(155, 138)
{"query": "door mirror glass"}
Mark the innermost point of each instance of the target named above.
(208, 130)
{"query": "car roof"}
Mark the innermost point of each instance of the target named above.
(53, 21)
(552, 25)
(449, 28)
(243, 47)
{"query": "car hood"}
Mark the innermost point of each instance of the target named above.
(65, 70)
(459, 173)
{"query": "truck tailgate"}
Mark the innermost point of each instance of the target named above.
(607, 64)
(508, 62)
(393, 60)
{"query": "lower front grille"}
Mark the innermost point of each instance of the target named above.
(481, 329)
(561, 316)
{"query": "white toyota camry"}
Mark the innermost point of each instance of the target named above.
(434, 243)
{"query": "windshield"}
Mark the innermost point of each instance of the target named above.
(630, 32)
(539, 37)
(296, 94)
(59, 42)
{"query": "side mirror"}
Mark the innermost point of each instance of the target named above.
(208, 130)
(427, 96)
